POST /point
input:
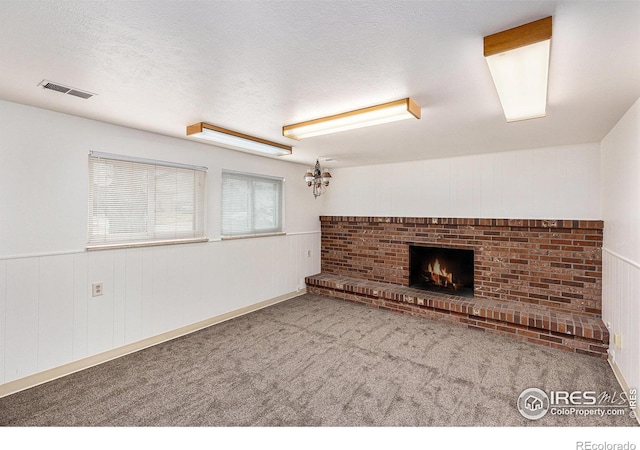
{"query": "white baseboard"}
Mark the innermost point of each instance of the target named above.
(57, 372)
(622, 382)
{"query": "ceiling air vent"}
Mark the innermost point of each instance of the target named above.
(80, 94)
(46, 84)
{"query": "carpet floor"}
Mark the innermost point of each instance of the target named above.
(315, 361)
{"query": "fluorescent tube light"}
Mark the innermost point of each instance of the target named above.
(373, 115)
(518, 60)
(235, 140)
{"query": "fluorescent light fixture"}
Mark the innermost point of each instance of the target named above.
(373, 115)
(235, 140)
(518, 60)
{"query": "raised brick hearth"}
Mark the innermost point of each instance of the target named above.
(535, 280)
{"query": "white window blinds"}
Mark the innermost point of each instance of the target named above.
(251, 204)
(135, 200)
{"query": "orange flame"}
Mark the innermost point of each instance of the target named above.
(440, 275)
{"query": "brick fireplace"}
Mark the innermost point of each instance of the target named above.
(442, 269)
(535, 280)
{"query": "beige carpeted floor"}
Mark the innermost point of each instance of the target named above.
(313, 361)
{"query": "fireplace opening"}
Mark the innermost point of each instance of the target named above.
(446, 270)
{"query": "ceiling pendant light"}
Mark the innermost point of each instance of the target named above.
(373, 115)
(318, 179)
(518, 60)
(235, 140)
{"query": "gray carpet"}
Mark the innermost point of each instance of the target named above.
(313, 361)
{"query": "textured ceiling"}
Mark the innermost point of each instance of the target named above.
(254, 66)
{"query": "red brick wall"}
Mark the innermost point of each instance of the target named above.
(554, 263)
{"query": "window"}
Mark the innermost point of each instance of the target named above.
(139, 201)
(251, 204)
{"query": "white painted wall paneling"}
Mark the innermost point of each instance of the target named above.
(52, 318)
(621, 308)
(55, 311)
(81, 291)
(621, 185)
(133, 282)
(620, 161)
(21, 332)
(559, 182)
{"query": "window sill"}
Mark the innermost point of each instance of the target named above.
(91, 248)
(250, 236)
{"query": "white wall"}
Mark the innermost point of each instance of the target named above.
(621, 255)
(548, 183)
(47, 315)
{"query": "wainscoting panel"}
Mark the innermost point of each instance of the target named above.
(55, 309)
(177, 288)
(147, 291)
(81, 292)
(621, 308)
(21, 323)
(49, 318)
(215, 290)
(119, 297)
(133, 295)
(159, 295)
(191, 289)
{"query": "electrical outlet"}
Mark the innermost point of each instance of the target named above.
(617, 340)
(96, 289)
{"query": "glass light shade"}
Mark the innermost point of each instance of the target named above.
(326, 177)
(308, 177)
(521, 77)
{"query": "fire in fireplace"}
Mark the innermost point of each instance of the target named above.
(447, 270)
